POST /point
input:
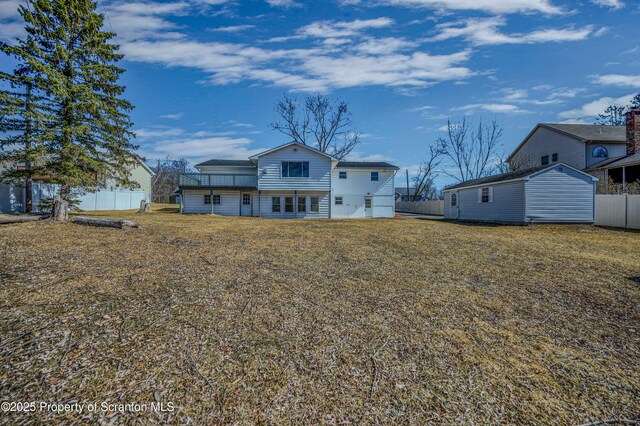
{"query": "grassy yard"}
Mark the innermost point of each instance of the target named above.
(241, 320)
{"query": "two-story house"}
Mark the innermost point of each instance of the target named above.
(290, 181)
(603, 151)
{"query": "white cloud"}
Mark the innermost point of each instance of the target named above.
(589, 111)
(485, 31)
(614, 4)
(232, 28)
(337, 29)
(618, 80)
(282, 3)
(177, 116)
(491, 6)
(361, 156)
(491, 107)
(522, 96)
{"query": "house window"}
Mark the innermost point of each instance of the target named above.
(600, 152)
(485, 195)
(454, 200)
(295, 169)
(302, 204)
(288, 204)
(367, 202)
(338, 201)
(275, 204)
(545, 160)
(246, 199)
(216, 199)
(343, 175)
(554, 157)
(374, 176)
(314, 205)
(207, 199)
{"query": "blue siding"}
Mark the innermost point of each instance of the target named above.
(560, 194)
(507, 205)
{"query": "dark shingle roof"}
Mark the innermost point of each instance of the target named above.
(629, 160)
(591, 132)
(501, 177)
(365, 165)
(231, 163)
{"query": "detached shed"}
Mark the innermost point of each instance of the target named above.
(555, 193)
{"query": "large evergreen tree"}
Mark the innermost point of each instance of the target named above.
(71, 61)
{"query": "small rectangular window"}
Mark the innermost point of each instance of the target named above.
(246, 199)
(275, 204)
(485, 195)
(302, 204)
(207, 199)
(374, 176)
(314, 205)
(554, 157)
(288, 204)
(338, 201)
(545, 160)
(343, 175)
(216, 199)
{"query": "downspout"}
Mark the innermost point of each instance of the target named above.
(240, 204)
(259, 203)
(211, 195)
(295, 204)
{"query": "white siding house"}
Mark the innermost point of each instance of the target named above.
(556, 193)
(290, 181)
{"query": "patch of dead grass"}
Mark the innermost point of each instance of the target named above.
(246, 320)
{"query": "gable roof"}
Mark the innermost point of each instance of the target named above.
(301, 145)
(228, 163)
(629, 160)
(582, 132)
(517, 175)
(365, 165)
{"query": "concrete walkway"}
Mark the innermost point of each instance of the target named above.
(420, 216)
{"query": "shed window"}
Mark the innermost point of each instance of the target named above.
(554, 157)
(207, 199)
(216, 199)
(374, 176)
(485, 195)
(454, 200)
(338, 201)
(275, 204)
(314, 205)
(545, 160)
(288, 204)
(600, 152)
(302, 204)
(295, 169)
(343, 175)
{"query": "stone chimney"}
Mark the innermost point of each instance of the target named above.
(633, 131)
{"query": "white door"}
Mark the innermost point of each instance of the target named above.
(368, 211)
(455, 205)
(246, 204)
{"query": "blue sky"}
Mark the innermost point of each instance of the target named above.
(205, 75)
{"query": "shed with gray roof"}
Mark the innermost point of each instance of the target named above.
(555, 193)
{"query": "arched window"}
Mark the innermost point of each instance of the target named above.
(454, 200)
(600, 152)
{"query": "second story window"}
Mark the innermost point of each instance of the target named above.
(600, 152)
(554, 157)
(343, 175)
(374, 176)
(295, 169)
(544, 160)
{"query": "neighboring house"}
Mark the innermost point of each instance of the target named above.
(107, 196)
(291, 180)
(603, 151)
(555, 193)
(405, 194)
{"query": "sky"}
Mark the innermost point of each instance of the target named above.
(205, 75)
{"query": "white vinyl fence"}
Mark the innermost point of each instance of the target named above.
(618, 211)
(12, 198)
(430, 207)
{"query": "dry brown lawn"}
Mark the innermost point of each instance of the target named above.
(242, 320)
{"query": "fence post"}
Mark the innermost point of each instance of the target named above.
(626, 210)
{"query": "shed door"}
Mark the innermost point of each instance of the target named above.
(454, 206)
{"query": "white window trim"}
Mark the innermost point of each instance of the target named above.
(490, 188)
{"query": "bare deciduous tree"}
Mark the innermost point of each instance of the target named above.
(472, 153)
(518, 162)
(324, 124)
(424, 181)
(166, 179)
